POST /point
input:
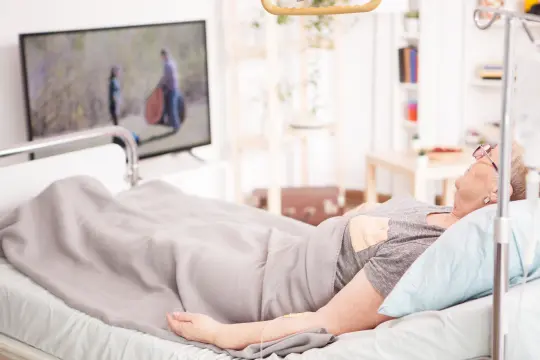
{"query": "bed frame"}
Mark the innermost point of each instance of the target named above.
(102, 162)
(132, 172)
(11, 349)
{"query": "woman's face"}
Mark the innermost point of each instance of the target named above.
(477, 185)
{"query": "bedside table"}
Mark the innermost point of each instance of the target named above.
(419, 174)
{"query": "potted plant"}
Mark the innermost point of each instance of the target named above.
(319, 32)
(412, 21)
(256, 33)
(415, 143)
(422, 159)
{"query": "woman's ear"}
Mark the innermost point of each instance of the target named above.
(494, 195)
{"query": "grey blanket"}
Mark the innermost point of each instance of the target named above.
(131, 258)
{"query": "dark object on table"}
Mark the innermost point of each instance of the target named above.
(311, 205)
(535, 9)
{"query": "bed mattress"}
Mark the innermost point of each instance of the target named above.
(30, 315)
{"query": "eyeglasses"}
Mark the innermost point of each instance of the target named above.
(484, 151)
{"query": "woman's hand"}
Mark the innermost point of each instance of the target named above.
(195, 327)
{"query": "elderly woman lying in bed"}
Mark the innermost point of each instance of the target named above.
(380, 243)
(224, 271)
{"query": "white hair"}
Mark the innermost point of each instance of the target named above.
(518, 178)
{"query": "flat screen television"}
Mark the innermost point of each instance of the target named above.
(150, 79)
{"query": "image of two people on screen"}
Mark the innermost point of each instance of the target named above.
(165, 106)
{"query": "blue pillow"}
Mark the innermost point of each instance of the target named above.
(459, 266)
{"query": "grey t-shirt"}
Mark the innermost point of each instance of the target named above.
(170, 76)
(385, 241)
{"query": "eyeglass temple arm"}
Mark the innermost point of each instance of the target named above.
(327, 10)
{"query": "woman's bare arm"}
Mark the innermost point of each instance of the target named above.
(353, 309)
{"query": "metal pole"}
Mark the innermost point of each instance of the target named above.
(55, 141)
(502, 222)
(502, 226)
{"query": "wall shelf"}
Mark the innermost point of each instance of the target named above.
(407, 72)
(411, 36)
(531, 25)
(410, 125)
(534, 26)
(409, 86)
(489, 84)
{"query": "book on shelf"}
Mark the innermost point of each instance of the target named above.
(411, 111)
(489, 72)
(408, 64)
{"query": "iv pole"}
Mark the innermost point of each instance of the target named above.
(502, 222)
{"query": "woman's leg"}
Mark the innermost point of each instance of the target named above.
(114, 115)
(165, 118)
(172, 109)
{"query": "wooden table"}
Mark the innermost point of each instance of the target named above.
(419, 174)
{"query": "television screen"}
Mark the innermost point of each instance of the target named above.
(151, 79)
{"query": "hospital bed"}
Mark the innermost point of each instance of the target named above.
(36, 325)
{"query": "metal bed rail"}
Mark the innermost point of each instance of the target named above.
(132, 167)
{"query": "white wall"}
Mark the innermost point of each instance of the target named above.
(371, 95)
(441, 67)
(368, 118)
(482, 103)
(22, 16)
(457, 101)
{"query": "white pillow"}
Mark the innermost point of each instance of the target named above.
(459, 266)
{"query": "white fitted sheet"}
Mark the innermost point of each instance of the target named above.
(31, 315)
